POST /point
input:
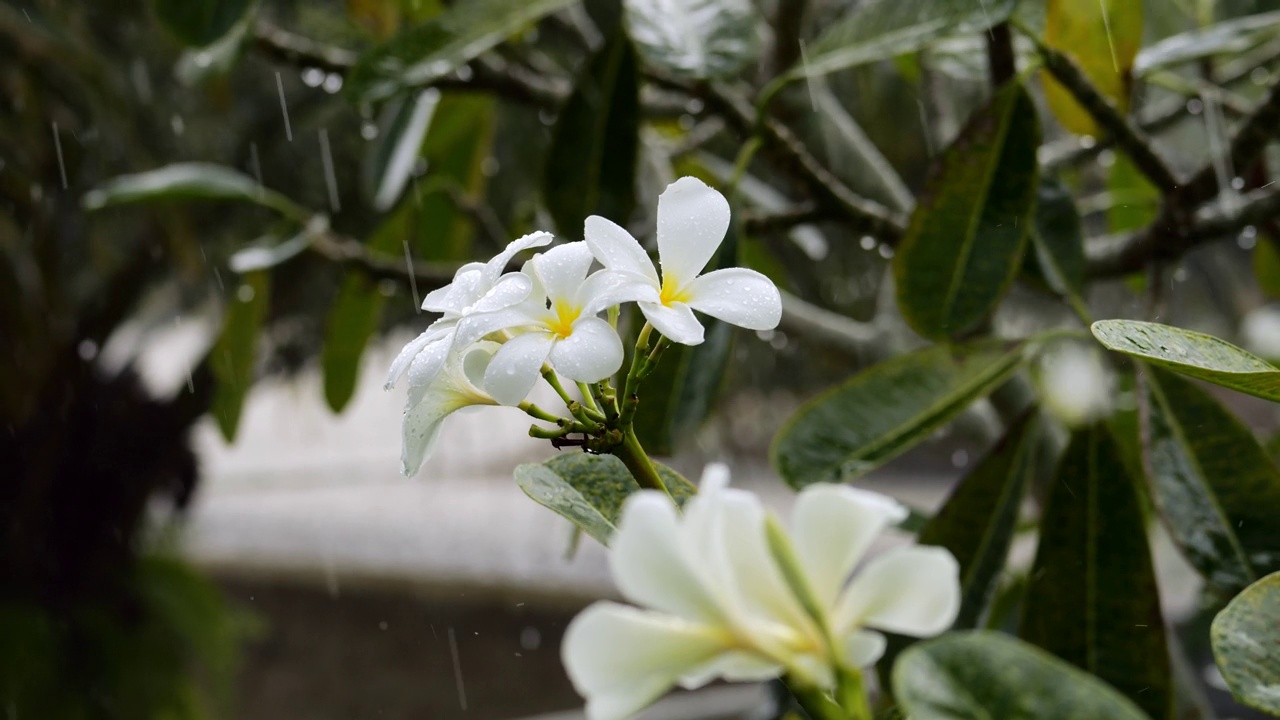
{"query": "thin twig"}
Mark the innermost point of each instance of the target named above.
(1246, 147)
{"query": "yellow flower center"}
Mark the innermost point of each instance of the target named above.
(564, 315)
(672, 292)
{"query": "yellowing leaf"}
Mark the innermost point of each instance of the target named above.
(1103, 38)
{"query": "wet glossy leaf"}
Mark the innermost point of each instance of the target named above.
(1092, 599)
(886, 409)
(591, 166)
(589, 490)
(1215, 486)
(1102, 37)
(976, 523)
(1245, 636)
(1221, 38)
(1057, 240)
(234, 356)
(1266, 266)
(431, 50)
(269, 252)
(1193, 354)
(187, 181)
(987, 675)
(389, 163)
(200, 22)
(196, 65)
(881, 29)
(966, 238)
(694, 38)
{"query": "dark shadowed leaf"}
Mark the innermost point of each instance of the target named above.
(881, 29)
(976, 523)
(588, 490)
(233, 358)
(1134, 200)
(886, 409)
(1193, 354)
(460, 138)
(988, 676)
(591, 166)
(389, 163)
(1092, 599)
(695, 38)
(1215, 486)
(1245, 636)
(1225, 37)
(200, 22)
(966, 238)
(1057, 239)
(678, 395)
(187, 181)
(1266, 266)
(428, 52)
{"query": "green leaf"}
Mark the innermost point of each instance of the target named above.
(591, 165)
(460, 138)
(966, 238)
(1245, 636)
(700, 39)
(977, 521)
(197, 65)
(1193, 354)
(1214, 485)
(985, 675)
(1221, 38)
(1135, 201)
(1058, 240)
(881, 29)
(1092, 599)
(390, 160)
(233, 357)
(679, 395)
(589, 490)
(432, 50)
(269, 252)
(1266, 266)
(1102, 37)
(200, 22)
(352, 320)
(886, 409)
(188, 181)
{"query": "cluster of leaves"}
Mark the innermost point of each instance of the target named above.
(585, 108)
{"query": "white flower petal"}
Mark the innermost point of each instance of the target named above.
(692, 221)
(676, 322)
(467, 287)
(606, 288)
(421, 427)
(737, 296)
(494, 268)
(475, 326)
(509, 290)
(426, 367)
(621, 659)
(863, 648)
(650, 564)
(591, 352)
(734, 666)
(515, 367)
(563, 268)
(832, 527)
(411, 350)
(617, 250)
(914, 591)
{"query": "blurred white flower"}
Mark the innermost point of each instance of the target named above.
(1260, 332)
(692, 221)
(558, 323)
(477, 290)
(727, 594)
(456, 386)
(1075, 383)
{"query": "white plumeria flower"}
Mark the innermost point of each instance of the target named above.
(477, 290)
(719, 604)
(456, 386)
(559, 323)
(692, 221)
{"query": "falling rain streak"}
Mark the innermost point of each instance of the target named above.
(284, 108)
(330, 180)
(57, 146)
(413, 278)
(457, 670)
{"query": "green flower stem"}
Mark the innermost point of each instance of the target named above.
(815, 702)
(639, 363)
(632, 454)
(538, 413)
(554, 381)
(655, 356)
(607, 398)
(852, 694)
(589, 401)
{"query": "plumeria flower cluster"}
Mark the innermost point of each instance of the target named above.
(500, 331)
(725, 592)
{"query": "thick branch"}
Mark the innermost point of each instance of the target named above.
(1130, 139)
